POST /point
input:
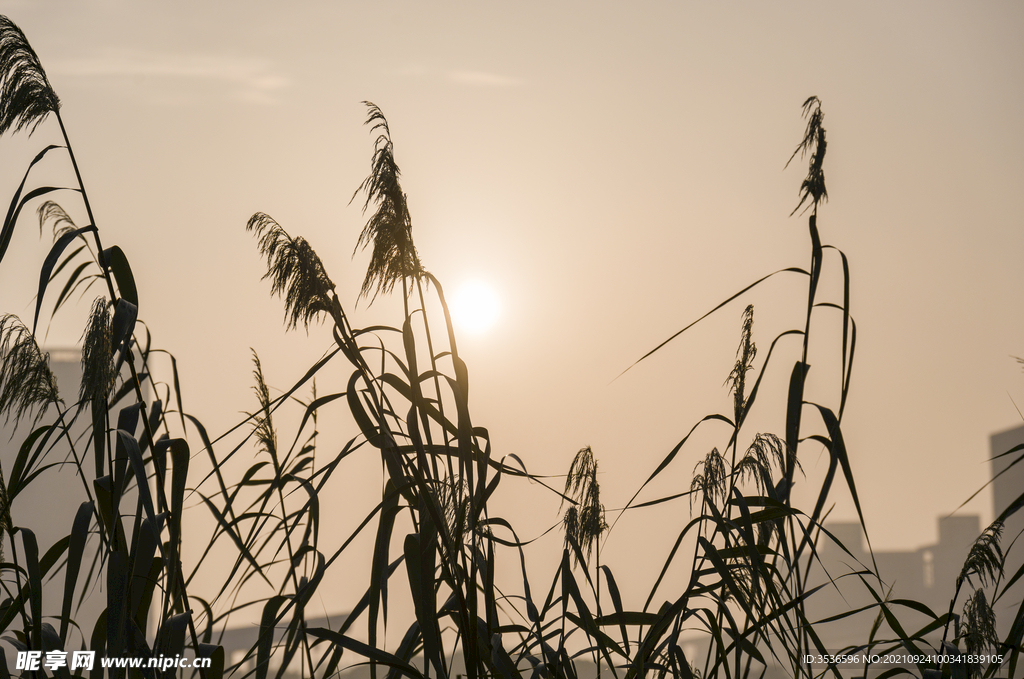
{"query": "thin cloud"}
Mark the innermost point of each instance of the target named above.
(459, 76)
(483, 79)
(245, 78)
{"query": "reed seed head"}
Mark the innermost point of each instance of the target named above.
(985, 560)
(50, 211)
(26, 381)
(584, 521)
(711, 479)
(745, 354)
(453, 498)
(389, 229)
(25, 94)
(98, 374)
(978, 627)
(264, 430)
(756, 464)
(295, 272)
(813, 187)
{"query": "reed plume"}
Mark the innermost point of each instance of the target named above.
(25, 93)
(765, 451)
(978, 629)
(295, 272)
(745, 354)
(26, 381)
(263, 428)
(98, 373)
(985, 560)
(584, 521)
(813, 186)
(389, 228)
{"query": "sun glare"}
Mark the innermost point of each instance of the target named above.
(475, 307)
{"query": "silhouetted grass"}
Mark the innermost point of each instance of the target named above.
(406, 388)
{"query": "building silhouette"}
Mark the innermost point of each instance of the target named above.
(48, 503)
(927, 574)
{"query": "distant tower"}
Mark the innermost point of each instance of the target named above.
(1006, 490)
(48, 504)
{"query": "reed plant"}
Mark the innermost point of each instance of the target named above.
(750, 553)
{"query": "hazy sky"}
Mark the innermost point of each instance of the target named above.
(613, 172)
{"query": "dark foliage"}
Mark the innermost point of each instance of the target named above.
(749, 552)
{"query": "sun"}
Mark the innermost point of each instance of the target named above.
(475, 307)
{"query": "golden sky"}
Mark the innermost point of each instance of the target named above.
(613, 172)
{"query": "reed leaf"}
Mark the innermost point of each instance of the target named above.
(18, 201)
(5, 511)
